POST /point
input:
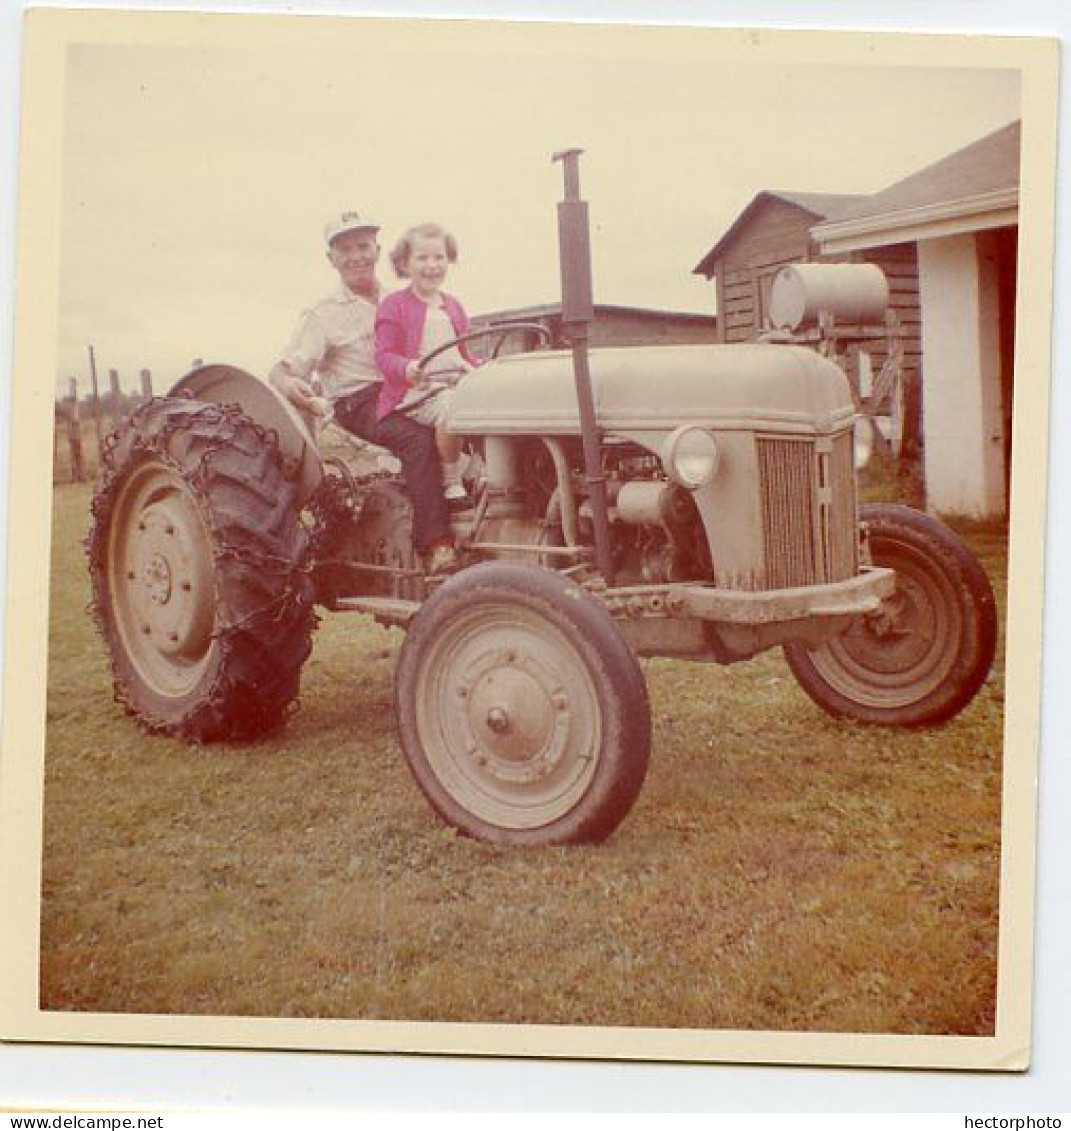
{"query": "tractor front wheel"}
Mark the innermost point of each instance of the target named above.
(922, 656)
(522, 710)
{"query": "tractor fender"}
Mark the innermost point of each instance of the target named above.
(227, 384)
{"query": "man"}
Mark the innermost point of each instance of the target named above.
(336, 341)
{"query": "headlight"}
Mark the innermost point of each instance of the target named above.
(690, 456)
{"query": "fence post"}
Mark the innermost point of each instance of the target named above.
(96, 402)
(117, 401)
(74, 434)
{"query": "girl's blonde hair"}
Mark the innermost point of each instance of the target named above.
(399, 255)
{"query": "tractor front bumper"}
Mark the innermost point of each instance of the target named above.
(856, 596)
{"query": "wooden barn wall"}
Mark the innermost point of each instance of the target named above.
(900, 264)
(776, 234)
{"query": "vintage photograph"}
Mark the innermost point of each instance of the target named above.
(528, 533)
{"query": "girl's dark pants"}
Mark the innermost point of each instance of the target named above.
(414, 445)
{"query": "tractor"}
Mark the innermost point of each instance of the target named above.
(688, 501)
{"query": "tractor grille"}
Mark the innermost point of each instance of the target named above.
(808, 509)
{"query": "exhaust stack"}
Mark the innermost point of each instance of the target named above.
(574, 253)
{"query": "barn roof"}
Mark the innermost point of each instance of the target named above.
(980, 177)
(820, 205)
(554, 309)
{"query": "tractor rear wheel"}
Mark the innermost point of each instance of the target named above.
(195, 558)
(522, 710)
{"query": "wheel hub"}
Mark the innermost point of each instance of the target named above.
(157, 580)
(498, 720)
(165, 590)
(897, 636)
(515, 717)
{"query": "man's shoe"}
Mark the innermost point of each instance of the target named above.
(442, 559)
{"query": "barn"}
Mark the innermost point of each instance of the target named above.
(612, 326)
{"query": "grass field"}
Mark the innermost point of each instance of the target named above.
(780, 871)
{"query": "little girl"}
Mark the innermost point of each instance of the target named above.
(411, 323)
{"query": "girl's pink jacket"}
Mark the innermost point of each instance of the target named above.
(399, 331)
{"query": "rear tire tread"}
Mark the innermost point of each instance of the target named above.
(264, 615)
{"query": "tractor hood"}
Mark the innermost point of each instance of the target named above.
(782, 388)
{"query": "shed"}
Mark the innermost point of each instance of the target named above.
(775, 229)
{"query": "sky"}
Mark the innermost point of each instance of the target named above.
(196, 177)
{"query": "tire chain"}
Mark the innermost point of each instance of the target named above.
(334, 502)
(155, 442)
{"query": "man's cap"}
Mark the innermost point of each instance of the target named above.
(348, 222)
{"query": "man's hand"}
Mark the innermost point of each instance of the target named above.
(296, 389)
(415, 375)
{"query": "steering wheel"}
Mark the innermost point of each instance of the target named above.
(499, 333)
